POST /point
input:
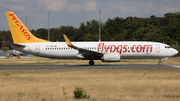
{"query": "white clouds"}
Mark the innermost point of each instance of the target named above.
(49, 5)
(84, 10)
(12, 0)
(13, 7)
(74, 7)
(39, 3)
(57, 5)
(140, 8)
(17, 8)
(166, 9)
(90, 6)
(124, 6)
(53, 5)
(146, 7)
(150, 6)
(132, 6)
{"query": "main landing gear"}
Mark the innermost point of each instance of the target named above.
(91, 62)
(160, 63)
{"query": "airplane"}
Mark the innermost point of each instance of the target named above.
(113, 51)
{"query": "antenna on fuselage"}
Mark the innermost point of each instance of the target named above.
(99, 25)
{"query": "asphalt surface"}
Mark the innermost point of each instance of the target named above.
(129, 66)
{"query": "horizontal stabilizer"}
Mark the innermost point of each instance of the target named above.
(15, 45)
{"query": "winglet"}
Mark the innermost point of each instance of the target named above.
(67, 41)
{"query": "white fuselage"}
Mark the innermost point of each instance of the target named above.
(126, 49)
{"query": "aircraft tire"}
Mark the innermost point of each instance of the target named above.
(91, 62)
(160, 63)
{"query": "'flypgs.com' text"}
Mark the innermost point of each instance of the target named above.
(124, 48)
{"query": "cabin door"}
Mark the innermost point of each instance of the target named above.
(37, 49)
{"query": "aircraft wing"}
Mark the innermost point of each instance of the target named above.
(84, 52)
(14, 45)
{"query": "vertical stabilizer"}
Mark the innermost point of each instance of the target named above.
(19, 32)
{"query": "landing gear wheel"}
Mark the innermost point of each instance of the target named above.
(160, 63)
(91, 62)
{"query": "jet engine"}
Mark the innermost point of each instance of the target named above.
(111, 57)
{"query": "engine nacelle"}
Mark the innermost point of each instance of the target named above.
(111, 57)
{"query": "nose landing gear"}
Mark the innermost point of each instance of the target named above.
(160, 63)
(91, 62)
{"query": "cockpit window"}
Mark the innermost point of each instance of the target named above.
(167, 47)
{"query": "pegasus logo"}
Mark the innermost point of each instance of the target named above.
(21, 27)
(67, 42)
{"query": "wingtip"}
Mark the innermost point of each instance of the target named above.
(67, 41)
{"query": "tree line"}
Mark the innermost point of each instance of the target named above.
(164, 29)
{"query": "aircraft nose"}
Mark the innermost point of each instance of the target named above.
(174, 51)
